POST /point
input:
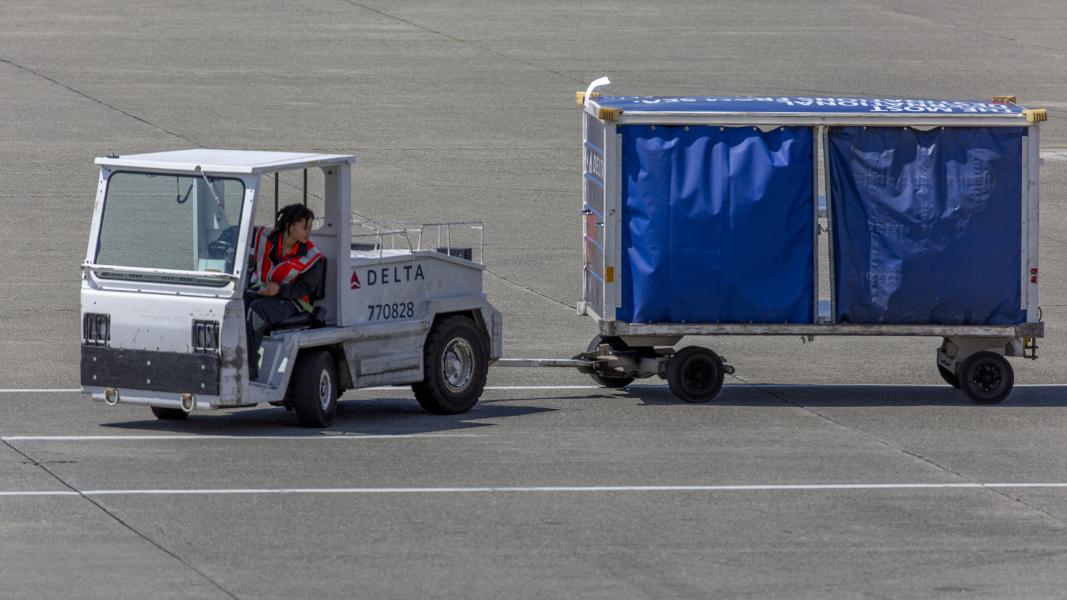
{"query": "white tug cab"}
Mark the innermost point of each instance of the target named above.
(163, 315)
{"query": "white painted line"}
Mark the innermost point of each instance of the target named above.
(95, 438)
(500, 387)
(1054, 154)
(635, 386)
(7, 494)
(38, 391)
(385, 388)
(543, 387)
(546, 489)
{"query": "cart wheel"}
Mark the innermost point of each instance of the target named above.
(986, 378)
(695, 374)
(607, 380)
(169, 414)
(314, 389)
(949, 377)
(455, 367)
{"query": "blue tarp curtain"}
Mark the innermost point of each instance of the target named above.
(927, 225)
(717, 225)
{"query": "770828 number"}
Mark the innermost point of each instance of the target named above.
(399, 310)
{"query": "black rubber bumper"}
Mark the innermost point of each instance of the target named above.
(174, 372)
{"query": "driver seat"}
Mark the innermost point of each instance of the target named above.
(303, 320)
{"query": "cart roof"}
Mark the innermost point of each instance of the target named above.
(800, 104)
(810, 110)
(223, 161)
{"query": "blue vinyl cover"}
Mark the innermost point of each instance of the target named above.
(927, 225)
(717, 225)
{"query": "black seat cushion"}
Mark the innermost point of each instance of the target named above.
(303, 319)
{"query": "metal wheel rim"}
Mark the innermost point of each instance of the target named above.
(698, 376)
(325, 390)
(987, 378)
(457, 365)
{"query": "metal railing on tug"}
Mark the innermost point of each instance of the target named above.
(441, 232)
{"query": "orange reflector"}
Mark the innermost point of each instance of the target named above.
(609, 274)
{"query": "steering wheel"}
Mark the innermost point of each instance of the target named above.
(225, 245)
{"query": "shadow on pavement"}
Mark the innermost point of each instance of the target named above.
(758, 394)
(381, 416)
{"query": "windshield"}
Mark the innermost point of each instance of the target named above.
(177, 222)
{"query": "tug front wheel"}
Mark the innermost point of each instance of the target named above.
(314, 389)
(455, 367)
(169, 414)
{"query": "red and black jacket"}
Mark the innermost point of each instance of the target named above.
(300, 275)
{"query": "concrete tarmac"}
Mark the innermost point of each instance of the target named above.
(465, 110)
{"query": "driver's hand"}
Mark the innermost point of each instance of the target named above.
(270, 290)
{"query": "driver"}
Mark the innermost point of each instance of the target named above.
(286, 274)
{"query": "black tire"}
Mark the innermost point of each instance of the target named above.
(986, 378)
(169, 414)
(949, 377)
(455, 367)
(607, 380)
(695, 374)
(314, 389)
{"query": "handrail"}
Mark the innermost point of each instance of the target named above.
(405, 229)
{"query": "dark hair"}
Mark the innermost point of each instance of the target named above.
(291, 214)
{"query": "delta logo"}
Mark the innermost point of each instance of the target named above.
(388, 275)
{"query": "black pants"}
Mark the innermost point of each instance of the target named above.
(261, 313)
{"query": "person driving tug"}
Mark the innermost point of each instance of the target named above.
(286, 274)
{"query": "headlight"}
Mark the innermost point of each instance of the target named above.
(205, 336)
(96, 329)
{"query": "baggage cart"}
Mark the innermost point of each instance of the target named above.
(702, 215)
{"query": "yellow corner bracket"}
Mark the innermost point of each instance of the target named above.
(1036, 115)
(579, 97)
(608, 114)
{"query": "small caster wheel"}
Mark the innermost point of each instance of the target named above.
(695, 374)
(986, 378)
(949, 377)
(608, 381)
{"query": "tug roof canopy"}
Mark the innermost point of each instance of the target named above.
(222, 161)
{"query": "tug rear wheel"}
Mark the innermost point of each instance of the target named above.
(455, 367)
(695, 374)
(986, 378)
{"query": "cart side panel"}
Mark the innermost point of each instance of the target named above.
(717, 224)
(594, 192)
(927, 225)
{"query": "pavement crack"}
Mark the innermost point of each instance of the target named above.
(199, 145)
(118, 519)
(1057, 52)
(485, 49)
(860, 432)
(915, 455)
(97, 100)
(530, 289)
